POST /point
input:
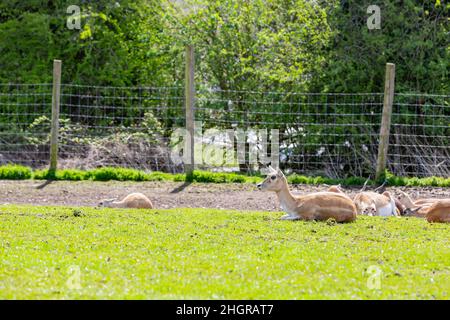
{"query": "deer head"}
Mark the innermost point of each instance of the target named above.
(106, 202)
(275, 181)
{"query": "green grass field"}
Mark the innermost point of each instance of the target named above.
(84, 253)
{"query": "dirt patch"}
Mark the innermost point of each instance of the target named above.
(168, 194)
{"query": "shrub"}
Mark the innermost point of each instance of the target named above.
(15, 172)
(63, 174)
(125, 174)
(120, 174)
(159, 176)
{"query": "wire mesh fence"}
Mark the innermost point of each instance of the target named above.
(21, 141)
(119, 126)
(326, 134)
(98, 126)
(331, 134)
(420, 135)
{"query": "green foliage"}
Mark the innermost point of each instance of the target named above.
(293, 45)
(350, 181)
(120, 174)
(216, 254)
(103, 174)
(160, 176)
(124, 174)
(413, 35)
(15, 172)
(416, 182)
(256, 44)
(62, 174)
(113, 47)
(265, 46)
(68, 134)
(218, 177)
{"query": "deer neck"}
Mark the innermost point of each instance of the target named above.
(286, 199)
(408, 203)
(117, 204)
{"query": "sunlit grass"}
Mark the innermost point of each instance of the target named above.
(213, 254)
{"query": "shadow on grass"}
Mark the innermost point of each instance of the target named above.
(182, 187)
(50, 176)
(43, 185)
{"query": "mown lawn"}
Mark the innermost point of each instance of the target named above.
(81, 253)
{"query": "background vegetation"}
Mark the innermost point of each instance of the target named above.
(293, 45)
(242, 48)
(17, 172)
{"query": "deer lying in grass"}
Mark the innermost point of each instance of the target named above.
(401, 209)
(418, 208)
(439, 211)
(133, 200)
(314, 206)
(375, 204)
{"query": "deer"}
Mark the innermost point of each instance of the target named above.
(375, 204)
(133, 200)
(315, 206)
(406, 200)
(418, 208)
(400, 207)
(439, 211)
(336, 189)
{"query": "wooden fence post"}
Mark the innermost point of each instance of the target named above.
(55, 115)
(189, 107)
(386, 119)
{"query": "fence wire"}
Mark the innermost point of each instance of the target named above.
(21, 141)
(99, 126)
(322, 134)
(330, 134)
(119, 126)
(420, 135)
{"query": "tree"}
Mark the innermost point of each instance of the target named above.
(120, 43)
(413, 35)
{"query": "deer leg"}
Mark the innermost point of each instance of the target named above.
(289, 217)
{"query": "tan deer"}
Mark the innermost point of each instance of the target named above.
(336, 189)
(406, 200)
(439, 211)
(417, 208)
(314, 206)
(133, 200)
(375, 204)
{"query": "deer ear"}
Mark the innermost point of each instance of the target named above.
(272, 169)
(280, 173)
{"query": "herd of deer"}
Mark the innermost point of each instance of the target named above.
(335, 204)
(330, 204)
